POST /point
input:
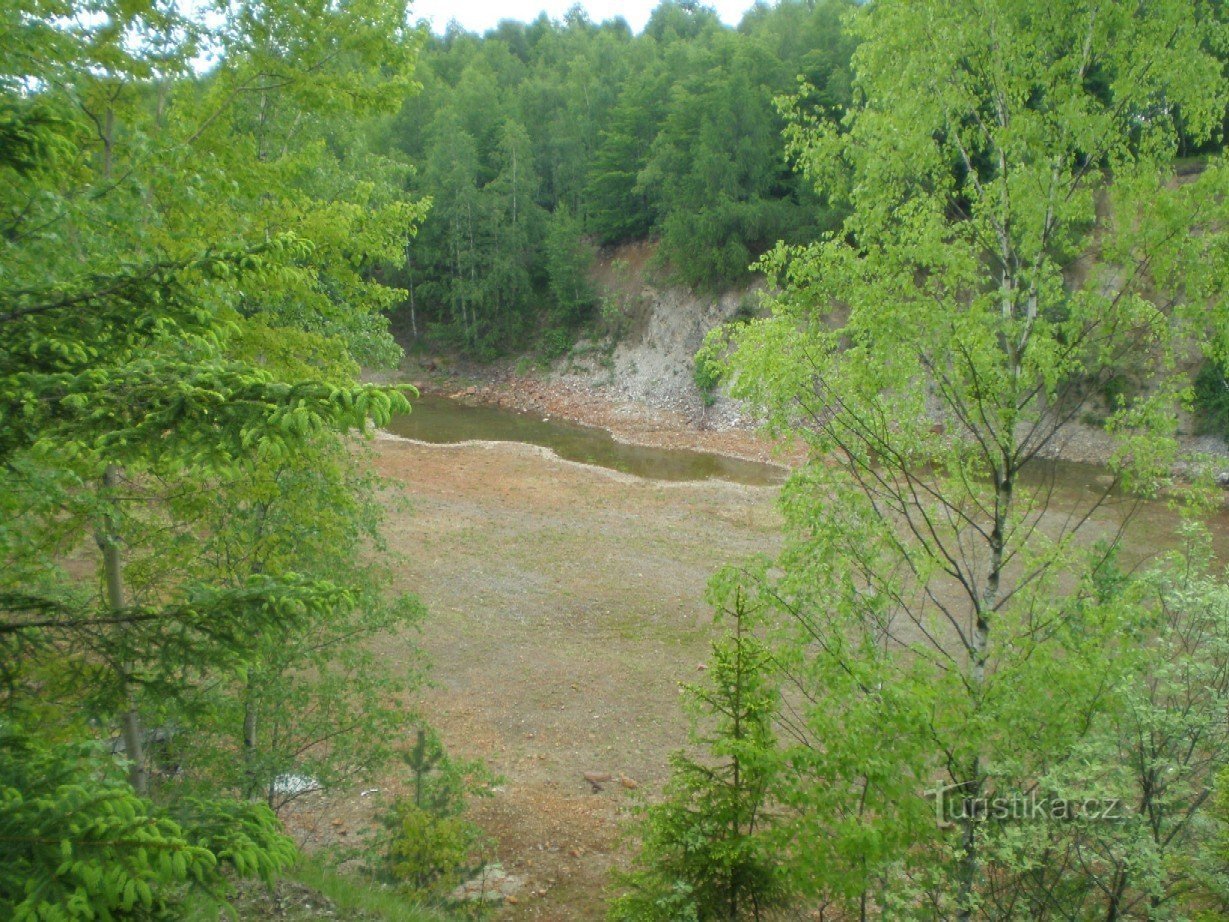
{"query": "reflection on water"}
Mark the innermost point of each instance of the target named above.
(444, 421)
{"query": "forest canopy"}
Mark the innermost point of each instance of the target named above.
(538, 142)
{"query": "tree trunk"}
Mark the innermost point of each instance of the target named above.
(978, 656)
(113, 575)
(409, 266)
(108, 142)
(250, 780)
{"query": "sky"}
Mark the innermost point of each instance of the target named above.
(480, 15)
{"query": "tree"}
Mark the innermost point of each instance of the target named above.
(312, 701)
(451, 171)
(710, 849)
(716, 174)
(1015, 232)
(620, 208)
(77, 843)
(158, 228)
(568, 263)
(670, 134)
(430, 846)
(514, 230)
(1148, 762)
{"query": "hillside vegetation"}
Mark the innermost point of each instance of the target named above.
(536, 142)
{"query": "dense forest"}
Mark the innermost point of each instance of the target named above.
(537, 142)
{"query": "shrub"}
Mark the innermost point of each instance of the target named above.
(555, 343)
(76, 842)
(707, 375)
(430, 845)
(1212, 400)
(427, 852)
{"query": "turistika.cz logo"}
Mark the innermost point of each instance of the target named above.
(953, 805)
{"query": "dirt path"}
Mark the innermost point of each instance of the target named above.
(566, 606)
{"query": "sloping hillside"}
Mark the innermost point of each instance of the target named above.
(645, 355)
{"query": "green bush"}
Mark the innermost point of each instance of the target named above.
(555, 344)
(431, 847)
(426, 852)
(1212, 400)
(76, 842)
(707, 375)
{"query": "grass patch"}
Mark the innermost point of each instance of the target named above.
(307, 892)
(353, 894)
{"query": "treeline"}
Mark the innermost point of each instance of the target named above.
(535, 142)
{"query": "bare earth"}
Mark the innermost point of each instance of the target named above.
(566, 605)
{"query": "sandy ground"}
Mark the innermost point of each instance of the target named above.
(566, 605)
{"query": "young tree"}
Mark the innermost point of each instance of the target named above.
(449, 240)
(711, 850)
(1016, 232)
(515, 230)
(568, 262)
(312, 700)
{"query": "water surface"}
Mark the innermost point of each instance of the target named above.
(444, 421)
(1071, 488)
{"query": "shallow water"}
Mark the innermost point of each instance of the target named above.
(1149, 526)
(443, 421)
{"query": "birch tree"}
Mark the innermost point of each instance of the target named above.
(1017, 234)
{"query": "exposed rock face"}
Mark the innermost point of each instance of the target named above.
(639, 379)
(662, 327)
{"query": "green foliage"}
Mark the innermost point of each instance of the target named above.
(430, 846)
(710, 849)
(188, 283)
(312, 698)
(1212, 399)
(1212, 869)
(706, 373)
(555, 344)
(568, 263)
(429, 853)
(533, 139)
(77, 843)
(359, 894)
(716, 171)
(1015, 238)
